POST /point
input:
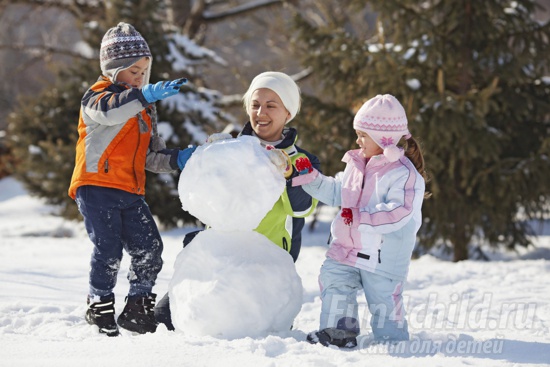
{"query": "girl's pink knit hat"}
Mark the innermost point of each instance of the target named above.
(384, 119)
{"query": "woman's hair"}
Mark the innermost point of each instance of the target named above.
(414, 153)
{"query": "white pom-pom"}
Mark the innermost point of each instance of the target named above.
(124, 27)
(392, 153)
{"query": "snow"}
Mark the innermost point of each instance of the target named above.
(488, 313)
(184, 53)
(231, 282)
(230, 184)
(414, 84)
(233, 285)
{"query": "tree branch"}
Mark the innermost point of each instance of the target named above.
(43, 50)
(200, 16)
(80, 9)
(240, 10)
(236, 99)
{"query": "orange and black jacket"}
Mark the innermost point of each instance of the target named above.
(117, 140)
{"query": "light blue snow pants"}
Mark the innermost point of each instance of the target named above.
(339, 284)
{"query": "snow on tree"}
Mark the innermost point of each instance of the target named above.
(43, 131)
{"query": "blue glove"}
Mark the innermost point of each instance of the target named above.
(161, 90)
(184, 155)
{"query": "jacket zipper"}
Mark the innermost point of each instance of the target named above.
(135, 154)
(106, 166)
(285, 244)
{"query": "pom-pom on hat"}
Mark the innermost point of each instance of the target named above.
(384, 119)
(280, 83)
(121, 47)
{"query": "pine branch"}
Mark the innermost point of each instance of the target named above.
(80, 9)
(200, 15)
(240, 10)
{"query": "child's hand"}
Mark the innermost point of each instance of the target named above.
(161, 90)
(306, 172)
(347, 216)
(184, 155)
(303, 165)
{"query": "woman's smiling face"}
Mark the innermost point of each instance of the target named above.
(267, 114)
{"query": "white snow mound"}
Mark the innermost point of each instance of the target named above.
(230, 184)
(234, 285)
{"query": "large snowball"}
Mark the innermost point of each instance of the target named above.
(232, 285)
(230, 184)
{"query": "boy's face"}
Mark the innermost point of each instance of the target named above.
(135, 74)
(369, 148)
(267, 114)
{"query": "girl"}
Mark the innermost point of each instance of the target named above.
(381, 192)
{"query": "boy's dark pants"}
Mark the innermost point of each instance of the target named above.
(117, 220)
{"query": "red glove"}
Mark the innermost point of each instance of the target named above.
(303, 165)
(347, 216)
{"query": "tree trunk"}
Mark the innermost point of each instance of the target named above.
(461, 238)
(460, 251)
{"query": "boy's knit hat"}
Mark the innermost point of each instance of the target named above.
(384, 119)
(121, 47)
(280, 83)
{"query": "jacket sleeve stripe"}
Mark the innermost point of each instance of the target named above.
(397, 209)
(110, 109)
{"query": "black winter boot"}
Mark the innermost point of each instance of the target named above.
(344, 335)
(102, 314)
(163, 315)
(333, 336)
(138, 314)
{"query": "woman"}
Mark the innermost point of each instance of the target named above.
(271, 102)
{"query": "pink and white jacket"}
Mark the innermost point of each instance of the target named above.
(385, 199)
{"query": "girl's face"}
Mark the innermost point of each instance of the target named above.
(267, 114)
(368, 147)
(135, 74)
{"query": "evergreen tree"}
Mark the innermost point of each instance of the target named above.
(326, 129)
(43, 140)
(43, 133)
(471, 76)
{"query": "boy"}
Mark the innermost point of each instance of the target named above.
(118, 140)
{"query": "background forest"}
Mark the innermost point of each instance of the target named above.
(472, 75)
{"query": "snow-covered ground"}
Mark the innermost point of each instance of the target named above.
(469, 313)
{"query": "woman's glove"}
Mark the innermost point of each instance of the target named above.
(280, 159)
(161, 90)
(184, 155)
(218, 136)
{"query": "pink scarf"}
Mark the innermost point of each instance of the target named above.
(352, 185)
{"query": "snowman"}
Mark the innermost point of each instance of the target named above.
(230, 281)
